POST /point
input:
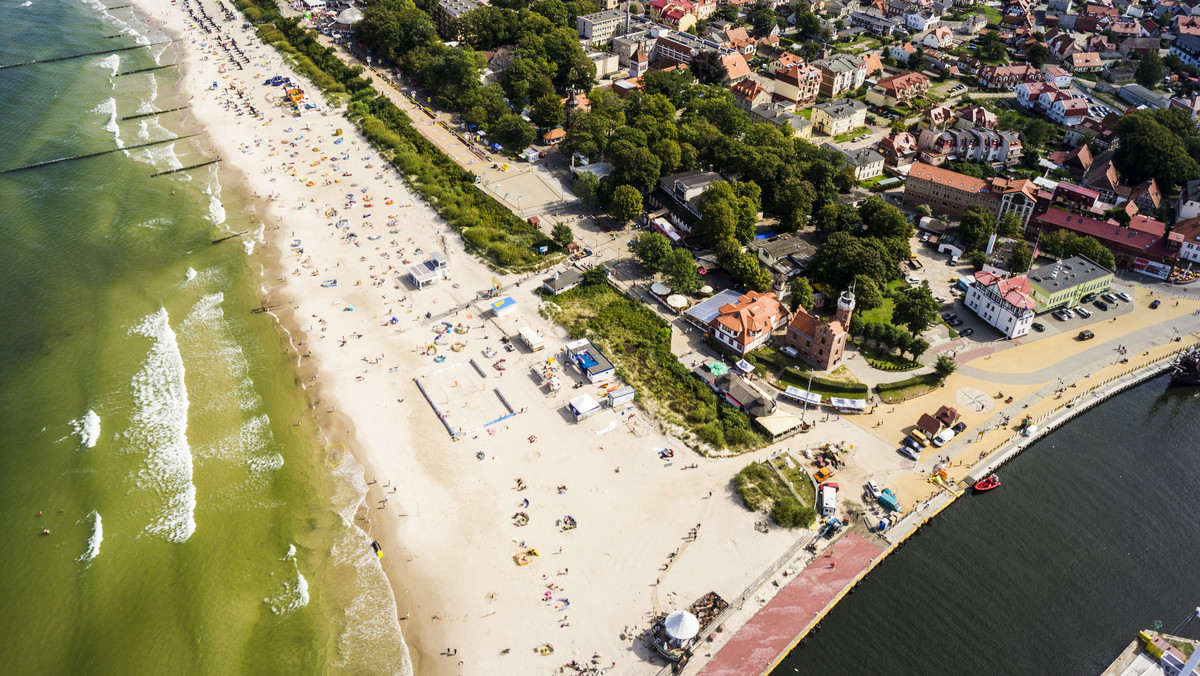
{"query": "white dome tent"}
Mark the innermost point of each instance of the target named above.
(350, 16)
(681, 626)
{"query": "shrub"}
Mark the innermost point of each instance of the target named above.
(789, 513)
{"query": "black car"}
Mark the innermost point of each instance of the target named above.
(966, 332)
(955, 322)
(1038, 327)
(1155, 304)
(949, 316)
(959, 427)
(1101, 305)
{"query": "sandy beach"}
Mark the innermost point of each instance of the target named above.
(443, 511)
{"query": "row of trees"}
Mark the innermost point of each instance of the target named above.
(891, 338)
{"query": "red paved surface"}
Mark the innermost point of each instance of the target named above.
(773, 628)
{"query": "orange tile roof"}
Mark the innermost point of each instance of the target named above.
(753, 312)
(946, 177)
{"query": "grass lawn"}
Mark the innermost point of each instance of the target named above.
(883, 313)
(850, 135)
(806, 113)
(798, 478)
(893, 393)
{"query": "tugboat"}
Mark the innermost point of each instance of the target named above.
(987, 483)
(1187, 369)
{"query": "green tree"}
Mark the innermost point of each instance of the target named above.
(554, 10)
(836, 217)
(992, 48)
(1155, 145)
(652, 250)
(978, 223)
(512, 132)
(744, 266)
(762, 17)
(718, 223)
(898, 125)
(681, 272)
(596, 275)
(707, 67)
(944, 367)
(841, 257)
(917, 347)
(917, 60)
(586, 185)
(915, 308)
(1019, 261)
(1149, 72)
(884, 220)
(801, 295)
(547, 111)
(867, 294)
(1010, 225)
(1037, 55)
(668, 153)
(626, 203)
(562, 234)
(922, 210)
(1037, 132)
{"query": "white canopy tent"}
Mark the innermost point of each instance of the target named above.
(681, 625)
(803, 396)
(852, 405)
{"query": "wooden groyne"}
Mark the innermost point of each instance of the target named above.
(194, 166)
(80, 56)
(152, 113)
(96, 154)
(236, 234)
(147, 70)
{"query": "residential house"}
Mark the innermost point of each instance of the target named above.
(680, 195)
(448, 12)
(1102, 177)
(1097, 43)
(821, 343)
(1066, 110)
(1189, 236)
(898, 89)
(996, 77)
(1084, 62)
(1062, 46)
(875, 22)
(704, 8)
(1077, 161)
(746, 324)
(839, 74)
(1190, 105)
(940, 37)
(865, 162)
(748, 94)
(969, 145)
(736, 68)
(900, 52)
(922, 20)
(936, 118)
(974, 24)
(1147, 195)
(1029, 94)
(1140, 46)
(678, 14)
(562, 282)
(784, 60)
(975, 117)
(786, 255)
(1075, 197)
(1006, 304)
(1057, 75)
(949, 192)
(1187, 48)
(799, 84)
(839, 116)
(1126, 244)
(898, 150)
(599, 28)
(782, 114)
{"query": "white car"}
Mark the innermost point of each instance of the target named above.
(1124, 296)
(944, 437)
(873, 489)
(912, 280)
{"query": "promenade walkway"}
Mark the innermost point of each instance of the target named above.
(770, 634)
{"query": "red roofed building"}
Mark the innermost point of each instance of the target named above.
(748, 323)
(820, 343)
(1144, 223)
(736, 68)
(898, 89)
(1006, 304)
(678, 14)
(1125, 243)
(748, 94)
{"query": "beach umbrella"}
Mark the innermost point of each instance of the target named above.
(681, 625)
(660, 289)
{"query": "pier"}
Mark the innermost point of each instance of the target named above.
(194, 166)
(152, 113)
(147, 70)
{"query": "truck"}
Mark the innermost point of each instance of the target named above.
(828, 495)
(531, 338)
(888, 499)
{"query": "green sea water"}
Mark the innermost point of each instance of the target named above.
(145, 411)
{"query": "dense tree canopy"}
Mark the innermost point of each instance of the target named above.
(1157, 143)
(626, 203)
(915, 307)
(978, 224)
(841, 257)
(707, 68)
(801, 295)
(1150, 70)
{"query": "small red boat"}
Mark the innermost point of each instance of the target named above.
(987, 483)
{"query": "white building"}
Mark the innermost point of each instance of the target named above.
(1006, 304)
(921, 21)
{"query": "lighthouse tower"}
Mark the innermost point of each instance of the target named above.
(845, 308)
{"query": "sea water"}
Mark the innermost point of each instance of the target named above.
(147, 416)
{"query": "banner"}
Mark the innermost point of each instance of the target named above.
(1150, 268)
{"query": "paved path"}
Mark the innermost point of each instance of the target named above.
(769, 635)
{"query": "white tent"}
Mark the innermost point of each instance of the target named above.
(681, 625)
(677, 301)
(745, 366)
(350, 16)
(659, 289)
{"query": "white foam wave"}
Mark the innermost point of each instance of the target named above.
(190, 274)
(27, 3)
(112, 62)
(143, 130)
(216, 210)
(159, 426)
(294, 594)
(291, 552)
(88, 428)
(147, 104)
(94, 541)
(109, 108)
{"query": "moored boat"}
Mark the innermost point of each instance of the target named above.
(987, 483)
(1187, 369)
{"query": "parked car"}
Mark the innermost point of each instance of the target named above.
(1101, 305)
(912, 279)
(959, 427)
(1058, 314)
(1038, 327)
(1085, 335)
(949, 316)
(955, 322)
(966, 332)
(873, 489)
(1083, 312)
(1124, 296)
(1108, 298)
(944, 437)
(1155, 304)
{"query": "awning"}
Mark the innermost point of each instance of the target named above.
(745, 366)
(803, 395)
(718, 368)
(849, 404)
